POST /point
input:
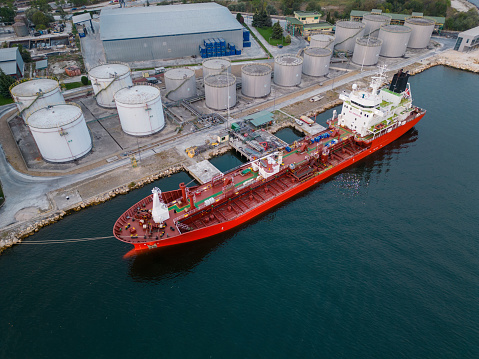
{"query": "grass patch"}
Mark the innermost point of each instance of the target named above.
(5, 101)
(74, 85)
(257, 40)
(266, 32)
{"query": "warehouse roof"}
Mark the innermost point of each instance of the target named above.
(10, 58)
(471, 32)
(261, 118)
(81, 18)
(167, 20)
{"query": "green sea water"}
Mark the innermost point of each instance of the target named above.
(379, 261)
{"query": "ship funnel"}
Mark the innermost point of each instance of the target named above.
(159, 212)
(399, 82)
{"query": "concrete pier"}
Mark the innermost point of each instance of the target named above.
(203, 171)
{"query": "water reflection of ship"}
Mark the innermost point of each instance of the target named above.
(173, 261)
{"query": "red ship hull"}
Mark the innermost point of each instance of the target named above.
(214, 229)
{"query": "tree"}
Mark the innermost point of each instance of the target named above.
(313, 6)
(287, 39)
(26, 57)
(262, 19)
(39, 18)
(289, 6)
(5, 82)
(271, 10)
(277, 31)
(84, 80)
(240, 18)
(329, 18)
(7, 14)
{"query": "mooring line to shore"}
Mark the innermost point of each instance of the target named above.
(70, 240)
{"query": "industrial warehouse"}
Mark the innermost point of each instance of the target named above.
(164, 32)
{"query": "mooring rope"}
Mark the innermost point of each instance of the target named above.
(70, 240)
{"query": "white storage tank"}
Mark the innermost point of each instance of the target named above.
(421, 31)
(216, 66)
(35, 94)
(220, 91)
(395, 39)
(316, 61)
(107, 79)
(287, 70)
(256, 80)
(346, 34)
(180, 84)
(60, 132)
(373, 22)
(140, 110)
(322, 40)
(366, 51)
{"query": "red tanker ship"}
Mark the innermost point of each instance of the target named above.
(369, 120)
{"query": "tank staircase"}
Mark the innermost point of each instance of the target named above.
(348, 38)
(40, 94)
(103, 89)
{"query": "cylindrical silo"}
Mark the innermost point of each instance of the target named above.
(180, 84)
(395, 39)
(220, 91)
(346, 34)
(35, 94)
(256, 80)
(316, 61)
(140, 110)
(20, 29)
(107, 79)
(373, 22)
(216, 66)
(60, 132)
(322, 40)
(287, 70)
(366, 51)
(421, 31)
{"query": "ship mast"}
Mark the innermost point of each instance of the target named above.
(379, 79)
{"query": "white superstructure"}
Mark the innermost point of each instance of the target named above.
(60, 132)
(107, 79)
(140, 110)
(35, 94)
(364, 109)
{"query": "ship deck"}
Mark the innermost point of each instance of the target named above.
(182, 217)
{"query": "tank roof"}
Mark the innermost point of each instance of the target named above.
(350, 24)
(369, 41)
(107, 71)
(288, 59)
(256, 69)
(179, 73)
(54, 116)
(322, 37)
(216, 63)
(32, 87)
(318, 51)
(376, 17)
(395, 28)
(137, 95)
(420, 21)
(220, 80)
